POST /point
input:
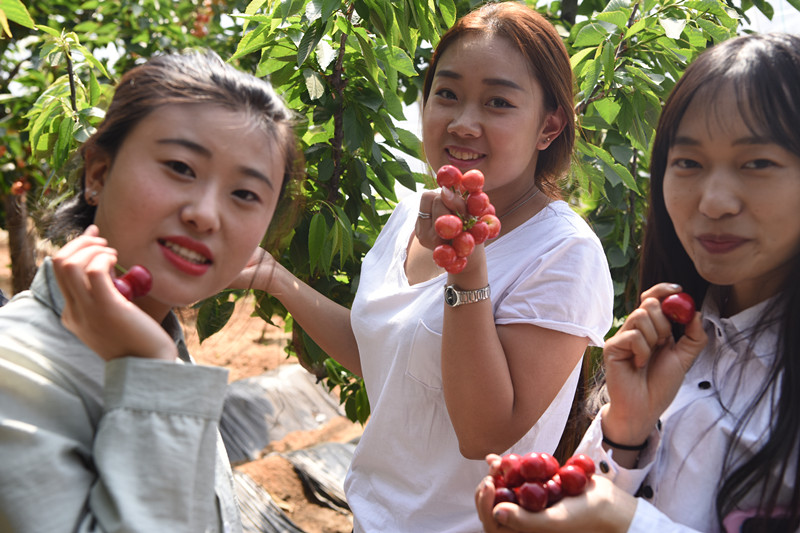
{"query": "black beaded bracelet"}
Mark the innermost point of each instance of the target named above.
(624, 447)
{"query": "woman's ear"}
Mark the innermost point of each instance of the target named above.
(96, 165)
(554, 124)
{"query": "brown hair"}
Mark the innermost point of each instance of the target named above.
(539, 42)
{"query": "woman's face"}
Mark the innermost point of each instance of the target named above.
(733, 198)
(189, 195)
(485, 110)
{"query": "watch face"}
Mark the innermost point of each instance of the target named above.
(450, 296)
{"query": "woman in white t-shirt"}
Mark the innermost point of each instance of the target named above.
(448, 384)
(700, 432)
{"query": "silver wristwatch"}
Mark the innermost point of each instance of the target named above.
(454, 297)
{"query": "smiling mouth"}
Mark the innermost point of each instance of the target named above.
(185, 253)
(463, 156)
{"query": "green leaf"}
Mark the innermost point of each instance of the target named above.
(608, 109)
(63, 141)
(317, 232)
(251, 42)
(314, 84)
(399, 60)
(617, 18)
(94, 89)
(673, 28)
(15, 11)
(448, 10)
(635, 28)
(593, 34)
(212, 316)
(309, 41)
(328, 7)
(579, 56)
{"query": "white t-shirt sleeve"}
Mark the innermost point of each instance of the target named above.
(566, 287)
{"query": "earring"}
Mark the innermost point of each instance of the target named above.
(547, 139)
(92, 199)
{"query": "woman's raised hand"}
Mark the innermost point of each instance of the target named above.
(96, 312)
(645, 366)
(257, 273)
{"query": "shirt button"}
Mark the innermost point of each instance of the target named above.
(604, 467)
(704, 385)
(647, 491)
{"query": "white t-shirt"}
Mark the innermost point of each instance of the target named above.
(680, 469)
(407, 473)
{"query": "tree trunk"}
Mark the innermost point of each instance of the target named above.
(569, 11)
(20, 243)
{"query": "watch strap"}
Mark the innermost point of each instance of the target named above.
(455, 297)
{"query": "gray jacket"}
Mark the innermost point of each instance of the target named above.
(89, 446)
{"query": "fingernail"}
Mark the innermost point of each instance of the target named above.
(447, 193)
(675, 286)
(500, 515)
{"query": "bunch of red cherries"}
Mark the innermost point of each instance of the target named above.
(536, 481)
(463, 232)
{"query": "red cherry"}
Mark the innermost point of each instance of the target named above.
(477, 203)
(140, 280)
(464, 243)
(533, 467)
(448, 176)
(551, 464)
(456, 266)
(480, 231)
(584, 462)
(494, 224)
(472, 180)
(444, 254)
(123, 287)
(532, 496)
(509, 465)
(554, 491)
(679, 307)
(504, 494)
(448, 226)
(573, 480)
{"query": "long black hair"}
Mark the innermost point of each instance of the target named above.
(764, 72)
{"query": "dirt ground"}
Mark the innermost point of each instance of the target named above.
(248, 346)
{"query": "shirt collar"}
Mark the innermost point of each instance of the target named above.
(740, 325)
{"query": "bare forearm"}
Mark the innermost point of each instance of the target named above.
(499, 380)
(326, 321)
(477, 379)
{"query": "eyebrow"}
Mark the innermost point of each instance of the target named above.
(205, 152)
(486, 81)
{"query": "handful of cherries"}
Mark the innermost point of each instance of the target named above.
(134, 283)
(536, 481)
(464, 231)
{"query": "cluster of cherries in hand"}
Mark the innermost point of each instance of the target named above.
(535, 481)
(134, 283)
(463, 232)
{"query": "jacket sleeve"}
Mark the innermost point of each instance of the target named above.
(145, 463)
